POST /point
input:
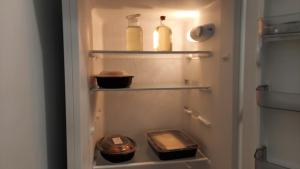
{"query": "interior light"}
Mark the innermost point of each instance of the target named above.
(188, 36)
(187, 14)
(201, 33)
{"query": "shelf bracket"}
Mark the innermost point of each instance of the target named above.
(195, 115)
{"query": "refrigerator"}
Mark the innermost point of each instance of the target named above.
(213, 88)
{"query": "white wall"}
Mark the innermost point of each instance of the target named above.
(30, 85)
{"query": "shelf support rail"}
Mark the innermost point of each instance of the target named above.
(195, 115)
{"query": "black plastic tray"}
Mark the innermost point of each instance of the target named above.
(189, 150)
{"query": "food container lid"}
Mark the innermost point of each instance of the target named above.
(170, 140)
(113, 73)
(116, 144)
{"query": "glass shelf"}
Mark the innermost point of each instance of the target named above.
(146, 158)
(143, 87)
(278, 100)
(108, 53)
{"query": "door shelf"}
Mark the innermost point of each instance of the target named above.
(261, 160)
(145, 87)
(281, 37)
(145, 157)
(278, 100)
(110, 53)
(281, 28)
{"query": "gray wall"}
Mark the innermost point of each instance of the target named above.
(32, 111)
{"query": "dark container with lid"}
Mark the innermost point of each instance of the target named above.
(114, 79)
(171, 144)
(114, 82)
(116, 148)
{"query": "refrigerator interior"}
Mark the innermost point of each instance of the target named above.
(161, 99)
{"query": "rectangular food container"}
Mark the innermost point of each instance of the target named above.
(171, 144)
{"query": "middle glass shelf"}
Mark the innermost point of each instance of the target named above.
(108, 53)
(145, 87)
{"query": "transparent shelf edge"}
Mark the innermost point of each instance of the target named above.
(145, 156)
(153, 163)
(199, 53)
(269, 17)
(281, 37)
(139, 87)
(282, 18)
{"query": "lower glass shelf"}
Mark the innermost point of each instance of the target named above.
(278, 100)
(145, 158)
(143, 87)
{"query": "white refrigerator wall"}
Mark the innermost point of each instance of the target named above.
(220, 106)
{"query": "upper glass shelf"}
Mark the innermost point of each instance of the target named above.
(190, 53)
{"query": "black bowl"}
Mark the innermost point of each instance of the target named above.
(114, 82)
(117, 158)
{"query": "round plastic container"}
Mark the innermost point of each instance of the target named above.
(117, 148)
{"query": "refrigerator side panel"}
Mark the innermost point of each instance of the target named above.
(250, 116)
(76, 44)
